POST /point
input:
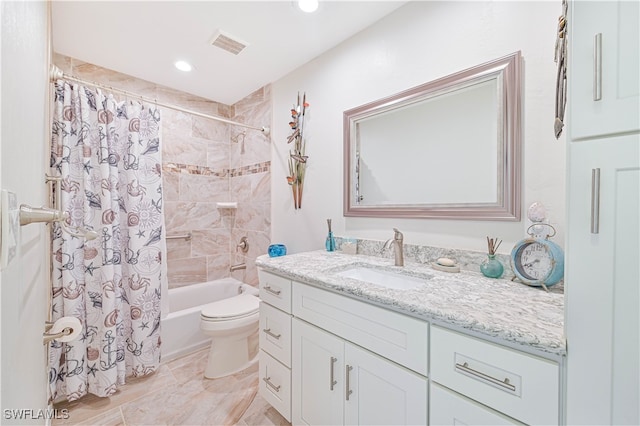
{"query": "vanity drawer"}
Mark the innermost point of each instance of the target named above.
(275, 290)
(274, 384)
(397, 337)
(450, 408)
(275, 333)
(517, 384)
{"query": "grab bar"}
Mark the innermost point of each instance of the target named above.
(186, 237)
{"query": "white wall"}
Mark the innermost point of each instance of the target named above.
(418, 43)
(24, 135)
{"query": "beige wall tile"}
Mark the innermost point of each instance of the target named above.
(203, 188)
(181, 272)
(210, 129)
(178, 248)
(179, 148)
(211, 242)
(218, 266)
(170, 185)
(181, 216)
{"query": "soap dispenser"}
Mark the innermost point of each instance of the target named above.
(330, 244)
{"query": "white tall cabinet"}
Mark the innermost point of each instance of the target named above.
(602, 272)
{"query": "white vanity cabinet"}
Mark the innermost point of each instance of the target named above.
(603, 216)
(352, 362)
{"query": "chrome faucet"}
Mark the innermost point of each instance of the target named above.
(397, 244)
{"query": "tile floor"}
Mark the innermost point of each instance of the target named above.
(178, 394)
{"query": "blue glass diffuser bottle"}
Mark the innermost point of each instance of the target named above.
(492, 267)
(330, 244)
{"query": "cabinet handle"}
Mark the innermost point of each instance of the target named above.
(267, 380)
(333, 382)
(271, 333)
(597, 67)
(595, 201)
(268, 289)
(348, 391)
(504, 383)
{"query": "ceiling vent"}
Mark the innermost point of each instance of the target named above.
(229, 43)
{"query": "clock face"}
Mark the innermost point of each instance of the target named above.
(535, 261)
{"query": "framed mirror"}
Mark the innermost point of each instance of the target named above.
(447, 149)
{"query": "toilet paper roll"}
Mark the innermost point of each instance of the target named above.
(59, 326)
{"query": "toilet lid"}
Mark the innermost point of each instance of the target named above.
(233, 307)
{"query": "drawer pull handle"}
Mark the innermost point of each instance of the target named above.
(271, 333)
(332, 380)
(267, 380)
(504, 383)
(347, 390)
(268, 289)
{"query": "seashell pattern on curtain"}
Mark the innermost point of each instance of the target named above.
(108, 155)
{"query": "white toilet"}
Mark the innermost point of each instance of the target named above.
(233, 326)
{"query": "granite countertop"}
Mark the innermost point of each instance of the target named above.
(523, 317)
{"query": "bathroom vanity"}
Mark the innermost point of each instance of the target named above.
(351, 339)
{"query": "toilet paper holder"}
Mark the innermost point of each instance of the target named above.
(47, 337)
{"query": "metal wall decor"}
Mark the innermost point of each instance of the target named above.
(561, 81)
(297, 157)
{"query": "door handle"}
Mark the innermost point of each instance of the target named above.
(597, 67)
(595, 201)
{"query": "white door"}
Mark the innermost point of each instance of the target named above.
(24, 284)
(381, 392)
(603, 276)
(317, 364)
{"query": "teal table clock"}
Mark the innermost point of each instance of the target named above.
(538, 261)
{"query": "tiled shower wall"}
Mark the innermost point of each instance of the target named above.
(205, 162)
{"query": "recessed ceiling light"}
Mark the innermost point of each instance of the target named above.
(183, 66)
(308, 5)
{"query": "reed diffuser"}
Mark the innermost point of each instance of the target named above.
(492, 267)
(330, 244)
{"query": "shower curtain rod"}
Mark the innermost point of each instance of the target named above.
(56, 73)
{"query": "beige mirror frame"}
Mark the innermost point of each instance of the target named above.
(501, 80)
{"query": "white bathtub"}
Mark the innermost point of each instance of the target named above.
(180, 331)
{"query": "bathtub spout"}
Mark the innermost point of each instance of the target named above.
(237, 266)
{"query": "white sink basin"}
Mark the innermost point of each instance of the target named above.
(383, 278)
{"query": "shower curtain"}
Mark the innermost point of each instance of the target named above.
(108, 156)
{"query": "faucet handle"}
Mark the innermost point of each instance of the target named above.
(398, 235)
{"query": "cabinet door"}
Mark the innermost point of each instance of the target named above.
(379, 392)
(603, 51)
(317, 376)
(602, 283)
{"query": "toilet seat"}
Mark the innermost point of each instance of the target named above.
(241, 306)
